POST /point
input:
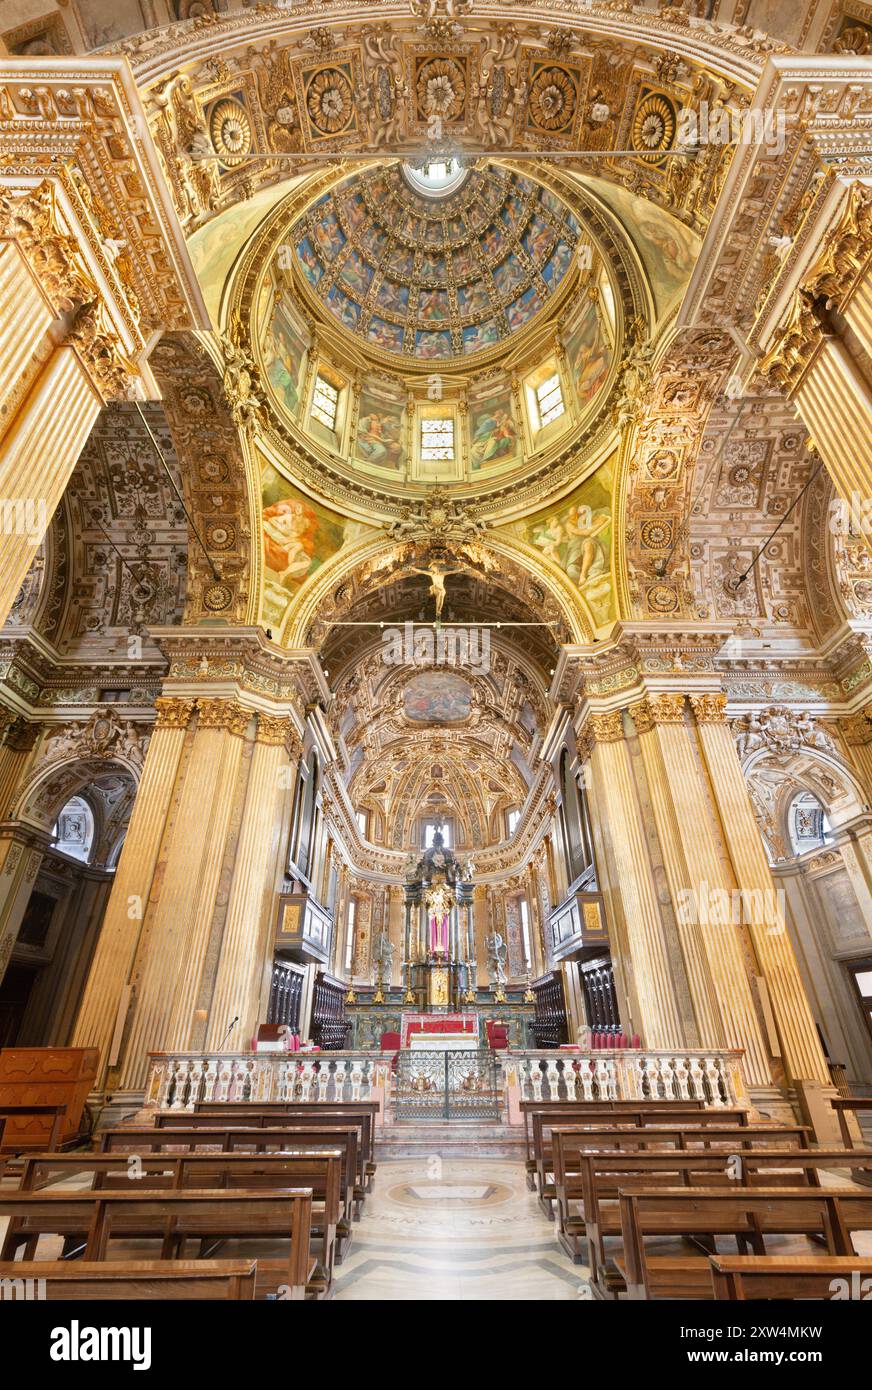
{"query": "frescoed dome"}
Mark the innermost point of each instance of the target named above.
(434, 261)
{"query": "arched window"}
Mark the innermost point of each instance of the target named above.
(807, 823)
(74, 829)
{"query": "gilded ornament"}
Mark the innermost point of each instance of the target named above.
(230, 130)
(273, 729)
(172, 712)
(709, 708)
(329, 101)
(654, 126)
(606, 728)
(553, 99)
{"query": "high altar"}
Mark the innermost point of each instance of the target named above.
(439, 970)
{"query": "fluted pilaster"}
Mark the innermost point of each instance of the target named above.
(777, 962)
(835, 402)
(857, 733)
(119, 937)
(716, 973)
(245, 943)
(25, 318)
(858, 312)
(173, 949)
(37, 457)
(616, 796)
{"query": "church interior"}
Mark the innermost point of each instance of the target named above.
(436, 678)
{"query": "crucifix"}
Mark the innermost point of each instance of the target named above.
(437, 574)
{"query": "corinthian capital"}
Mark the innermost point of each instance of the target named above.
(657, 709)
(173, 713)
(606, 728)
(223, 714)
(273, 729)
(709, 709)
(856, 728)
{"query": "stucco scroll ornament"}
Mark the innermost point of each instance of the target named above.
(440, 16)
(779, 730)
(438, 515)
(634, 378)
(385, 87)
(240, 383)
(104, 736)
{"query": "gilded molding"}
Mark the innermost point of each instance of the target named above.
(172, 712)
(710, 708)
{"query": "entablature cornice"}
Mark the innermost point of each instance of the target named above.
(241, 663)
(80, 125)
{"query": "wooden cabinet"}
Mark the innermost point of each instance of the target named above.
(44, 1076)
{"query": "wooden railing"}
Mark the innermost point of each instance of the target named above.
(716, 1078)
(178, 1080)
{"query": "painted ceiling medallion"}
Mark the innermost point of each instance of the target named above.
(432, 277)
(654, 126)
(230, 130)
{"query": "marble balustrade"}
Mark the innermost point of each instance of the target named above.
(716, 1078)
(178, 1080)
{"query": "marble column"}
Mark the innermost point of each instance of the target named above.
(171, 957)
(800, 1044)
(247, 938)
(116, 949)
(714, 963)
(616, 798)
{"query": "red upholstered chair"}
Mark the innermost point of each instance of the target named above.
(497, 1035)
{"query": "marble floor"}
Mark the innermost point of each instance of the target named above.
(455, 1229)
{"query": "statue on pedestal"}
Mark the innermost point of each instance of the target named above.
(496, 964)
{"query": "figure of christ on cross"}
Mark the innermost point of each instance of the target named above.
(437, 574)
(438, 908)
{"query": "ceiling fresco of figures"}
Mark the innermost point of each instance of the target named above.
(434, 277)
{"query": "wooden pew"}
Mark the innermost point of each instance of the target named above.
(173, 1218)
(54, 1113)
(738, 1277)
(299, 1109)
(542, 1124)
(599, 1177)
(320, 1170)
(705, 1213)
(849, 1105)
(131, 1279)
(256, 1118)
(595, 1112)
(144, 1140)
(370, 1109)
(576, 1140)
